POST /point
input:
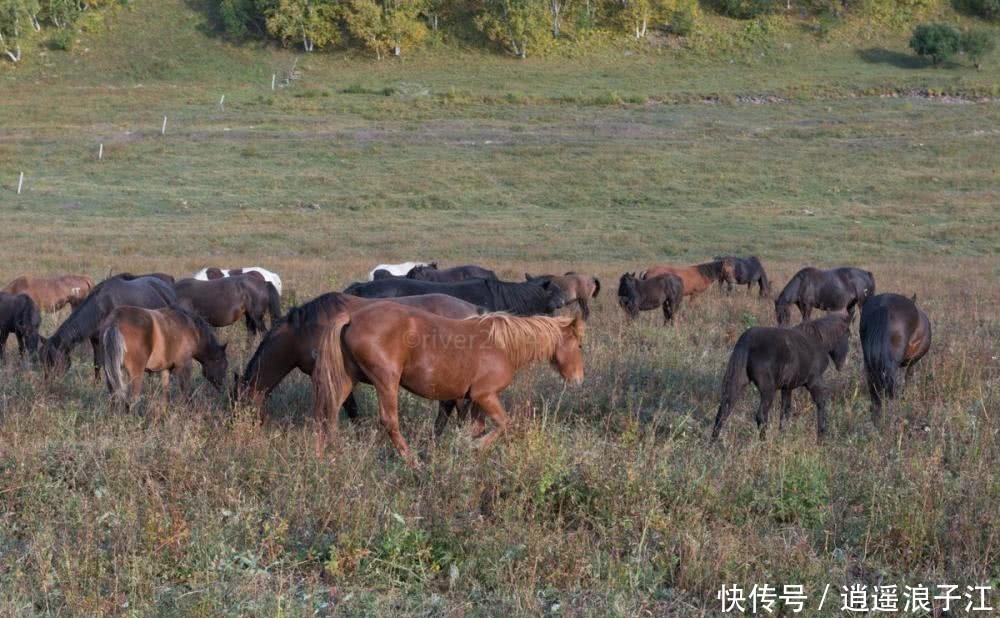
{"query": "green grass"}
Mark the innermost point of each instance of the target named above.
(606, 500)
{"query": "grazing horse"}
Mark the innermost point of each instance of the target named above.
(450, 275)
(85, 320)
(437, 358)
(158, 340)
(292, 342)
(747, 271)
(381, 273)
(838, 289)
(522, 299)
(52, 293)
(399, 270)
(19, 315)
(635, 295)
(786, 359)
(211, 273)
(698, 277)
(224, 301)
(576, 288)
(894, 333)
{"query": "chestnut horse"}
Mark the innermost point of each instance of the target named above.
(698, 277)
(576, 288)
(837, 289)
(224, 301)
(292, 342)
(19, 315)
(894, 333)
(786, 359)
(158, 340)
(636, 295)
(52, 293)
(391, 345)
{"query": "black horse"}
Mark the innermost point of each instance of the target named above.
(19, 315)
(450, 275)
(838, 289)
(522, 299)
(786, 359)
(894, 333)
(635, 295)
(150, 292)
(747, 271)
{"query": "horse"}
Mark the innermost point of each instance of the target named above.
(894, 333)
(450, 275)
(211, 273)
(523, 299)
(224, 301)
(786, 359)
(664, 291)
(399, 270)
(84, 321)
(576, 288)
(291, 343)
(19, 315)
(163, 341)
(391, 345)
(52, 293)
(698, 277)
(382, 273)
(747, 271)
(838, 289)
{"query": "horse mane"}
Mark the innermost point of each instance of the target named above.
(710, 269)
(524, 340)
(828, 329)
(791, 289)
(319, 307)
(81, 320)
(205, 330)
(514, 296)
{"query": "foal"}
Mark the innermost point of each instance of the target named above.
(158, 340)
(786, 359)
(636, 295)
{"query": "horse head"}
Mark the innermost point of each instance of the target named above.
(628, 294)
(567, 358)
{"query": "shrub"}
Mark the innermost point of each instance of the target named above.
(987, 9)
(62, 40)
(976, 44)
(683, 19)
(935, 41)
(745, 9)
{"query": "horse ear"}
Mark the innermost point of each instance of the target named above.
(433, 265)
(527, 277)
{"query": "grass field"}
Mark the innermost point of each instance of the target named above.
(603, 500)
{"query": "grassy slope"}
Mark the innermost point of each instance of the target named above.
(605, 500)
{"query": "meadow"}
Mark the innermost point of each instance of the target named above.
(606, 499)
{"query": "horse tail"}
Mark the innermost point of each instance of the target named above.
(331, 383)
(597, 287)
(113, 350)
(881, 368)
(733, 382)
(273, 302)
(765, 285)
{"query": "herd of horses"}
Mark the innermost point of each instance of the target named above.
(453, 335)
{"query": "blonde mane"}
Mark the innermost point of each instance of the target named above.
(525, 339)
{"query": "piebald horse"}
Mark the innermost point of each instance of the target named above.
(211, 273)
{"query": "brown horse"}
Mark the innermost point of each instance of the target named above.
(52, 293)
(19, 315)
(292, 342)
(158, 340)
(698, 277)
(224, 301)
(576, 288)
(391, 345)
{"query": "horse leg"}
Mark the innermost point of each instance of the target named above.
(388, 413)
(766, 399)
(584, 308)
(3, 342)
(668, 312)
(786, 407)
(351, 406)
(806, 311)
(20, 345)
(95, 344)
(819, 397)
(876, 397)
(490, 404)
(183, 374)
(445, 408)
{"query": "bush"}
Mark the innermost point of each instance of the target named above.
(683, 20)
(987, 9)
(745, 9)
(62, 40)
(935, 41)
(976, 44)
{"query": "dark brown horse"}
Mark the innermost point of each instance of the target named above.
(19, 315)
(85, 320)
(698, 277)
(450, 275)
(391, 345)
(838, 289)
(785, 359)
(136, 341)
(52, 293)
(519, 298)
(747, 271)
(224, 301)
(292, 342)
(895, 333)
(576, 288)
(635, 295)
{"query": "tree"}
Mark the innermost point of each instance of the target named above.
(976, 44)
(385, 25)
(558, 8)
(515, 24)
(14, 15)
(316, 23)
(935, 41)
